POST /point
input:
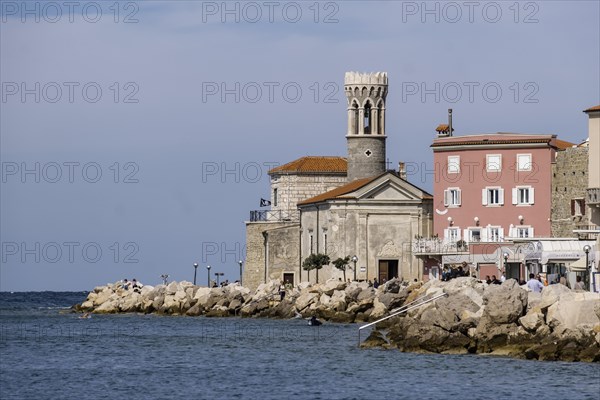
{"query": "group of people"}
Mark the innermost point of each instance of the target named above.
(536, 284)
(222, 284)
(134, 285)
(451, 273)
(494, 281)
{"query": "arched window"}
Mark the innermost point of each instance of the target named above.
(367, 117)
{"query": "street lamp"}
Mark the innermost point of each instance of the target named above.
(218, 274)
(587, 249)
(241, 262)
(195, 269)
(354, 260)
(208, 278)
(505, 255)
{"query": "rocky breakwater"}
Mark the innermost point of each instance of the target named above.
(558, 324)
(332, 301)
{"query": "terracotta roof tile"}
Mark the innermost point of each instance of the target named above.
(596, 108)
(313, 165)
(563, 144)
(500, 138)
(340, 192)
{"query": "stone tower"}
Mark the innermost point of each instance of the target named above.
(366, 94)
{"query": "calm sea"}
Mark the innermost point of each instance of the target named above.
(48, 353)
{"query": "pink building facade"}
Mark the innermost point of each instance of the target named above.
(490, 191)
(493, 187)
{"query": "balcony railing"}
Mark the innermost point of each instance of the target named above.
(593, 196)
(439, 246)
(274, 216)
(590, 232)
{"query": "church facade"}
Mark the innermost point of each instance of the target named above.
(342, 207)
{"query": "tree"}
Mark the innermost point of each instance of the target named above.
(315, 261)
(342, 264)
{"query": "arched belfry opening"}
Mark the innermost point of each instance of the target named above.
(366, 95)
(367, 119)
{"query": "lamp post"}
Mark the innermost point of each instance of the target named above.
(208, 275)
(218, 274)
(354, 260)
(587, 249)
(195, 269)
(241, 281)
(505, 262)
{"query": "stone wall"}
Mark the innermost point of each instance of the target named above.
(569, 181)
(282, 243)
(294, 188)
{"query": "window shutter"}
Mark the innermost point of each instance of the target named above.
(459, 197)
(572, 207)
(501, 196)
(446, 234)
(531, 232)
(484, 234)
(531, 195)
(501, 234)
(583, 207)
(446, 197)
(466, 235)
(484, 199)
(515, 193)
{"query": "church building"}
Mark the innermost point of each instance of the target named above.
(342, 207)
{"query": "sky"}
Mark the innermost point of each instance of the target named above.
(136, 136)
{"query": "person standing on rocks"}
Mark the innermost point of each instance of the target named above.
(534, 285)
(578, 284)
(375, 283)
(281, 291)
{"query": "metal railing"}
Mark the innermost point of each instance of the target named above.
(274, 216)
(592, 196)
(403, 309)
(437, 246)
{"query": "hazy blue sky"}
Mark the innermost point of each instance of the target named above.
(181, 166)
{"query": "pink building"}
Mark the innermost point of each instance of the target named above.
(489, 191)
(493, 187)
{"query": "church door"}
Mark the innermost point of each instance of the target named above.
(388, 269)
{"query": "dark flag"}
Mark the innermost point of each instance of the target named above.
(265, 203)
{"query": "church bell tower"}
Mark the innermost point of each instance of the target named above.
(366, 94)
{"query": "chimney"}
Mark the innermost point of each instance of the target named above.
(449, 122)
(402, 170)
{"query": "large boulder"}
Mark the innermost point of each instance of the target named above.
(131, 303)
(504, 304)
(305, 300)
(573, 312)
(551, 294)
(532, 321)
(379, 310)
(332, 285)
(391, 286)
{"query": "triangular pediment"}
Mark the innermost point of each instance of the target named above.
(389, 187)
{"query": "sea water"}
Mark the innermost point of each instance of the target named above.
(47, 352)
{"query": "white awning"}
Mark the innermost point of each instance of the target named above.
(577, 266)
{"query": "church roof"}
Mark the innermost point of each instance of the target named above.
(313, 165)
(343, 192)
(596, 108)
(339, 193)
